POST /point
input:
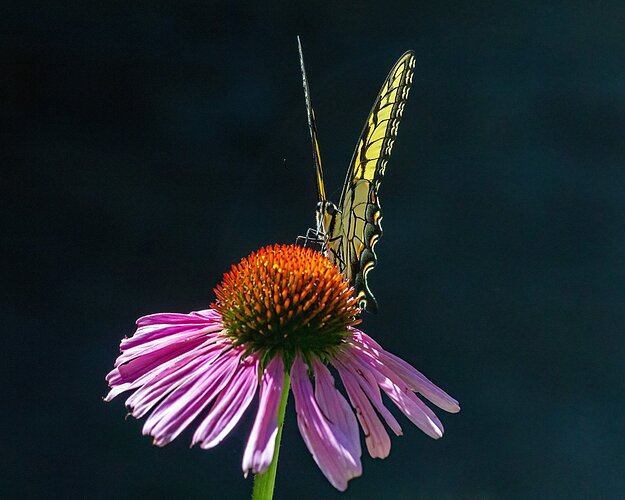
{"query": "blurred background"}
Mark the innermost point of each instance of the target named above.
(142, 154)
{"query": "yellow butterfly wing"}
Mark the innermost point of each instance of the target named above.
(351, 242)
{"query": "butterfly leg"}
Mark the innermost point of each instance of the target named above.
(312, 239)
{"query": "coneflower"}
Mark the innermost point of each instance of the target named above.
(282, 317)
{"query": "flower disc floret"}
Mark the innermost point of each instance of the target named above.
(288, 300)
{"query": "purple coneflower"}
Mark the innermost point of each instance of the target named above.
(283, 313)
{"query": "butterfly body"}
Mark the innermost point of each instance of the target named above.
(350, 229)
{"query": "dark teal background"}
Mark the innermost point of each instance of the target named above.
(142, 154)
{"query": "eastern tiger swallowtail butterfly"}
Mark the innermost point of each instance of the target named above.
(349, 231)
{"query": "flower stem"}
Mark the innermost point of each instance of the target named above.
(264, 483)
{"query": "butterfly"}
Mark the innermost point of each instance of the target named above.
(349, 231)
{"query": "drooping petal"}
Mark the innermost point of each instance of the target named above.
(376, 438)
(185, 403)
(170, 377)
(328, 445)
(149, 366)
(172, 318)
(230, 406)
(157, 342)
(261, 443)
(156, 326)
(366, 380)
(395, 388)
(414, 409)
(178, 339)
(133, 366)
(411, 376)
(334, 406)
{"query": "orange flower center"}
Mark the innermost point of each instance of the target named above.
(286, 299)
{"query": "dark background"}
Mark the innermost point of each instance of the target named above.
(142, 154)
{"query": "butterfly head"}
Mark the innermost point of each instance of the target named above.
(327, 213)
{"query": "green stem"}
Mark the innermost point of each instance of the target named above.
(264, 483)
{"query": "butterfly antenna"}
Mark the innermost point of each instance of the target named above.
(312, 127)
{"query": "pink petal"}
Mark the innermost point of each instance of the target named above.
(157, 342)
(184, 404)
(328, 445)
(368, 383)
(376, 438)
(334, 406)
(413, 408)
(261, 443)
(230, 406)
(160, 325)
(131, 373)
(401, 395)
(411, 376)
(171, 318)
(171, 376)
(180, 338)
